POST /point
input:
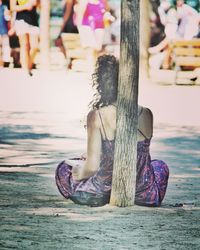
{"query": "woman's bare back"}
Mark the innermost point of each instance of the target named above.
(108, 116)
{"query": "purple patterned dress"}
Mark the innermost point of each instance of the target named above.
(151, 182)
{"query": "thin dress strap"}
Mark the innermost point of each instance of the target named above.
(143, 134)
(104, 131)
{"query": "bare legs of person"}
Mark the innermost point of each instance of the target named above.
(4, 51)
(161, 46)
(91, 41)
(96, 50)
(28, 51)
(59, 43)
(164, 45)
(167, 61)
(1, 51)
(91, 56)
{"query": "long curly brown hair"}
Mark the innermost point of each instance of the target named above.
(105, 81)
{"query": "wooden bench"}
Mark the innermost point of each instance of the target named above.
(74, 52)
(186, 58)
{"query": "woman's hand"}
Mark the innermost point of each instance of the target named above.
(83, 157)
(77, 165)
(76, 173)
(79, 169)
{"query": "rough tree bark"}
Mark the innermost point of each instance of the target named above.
(124, 171)
(45, 34)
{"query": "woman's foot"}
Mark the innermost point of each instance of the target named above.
(30, 73)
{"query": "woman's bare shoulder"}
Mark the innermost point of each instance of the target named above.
(145, 122)
(93, 118)
(148, 112)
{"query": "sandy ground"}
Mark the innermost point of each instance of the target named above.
(41, 123)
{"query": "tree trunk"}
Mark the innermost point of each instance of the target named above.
(45, 34)
(125, 158)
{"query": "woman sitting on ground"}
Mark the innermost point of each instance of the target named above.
(91, 183)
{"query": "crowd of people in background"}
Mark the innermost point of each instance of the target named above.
(179, 21)
(93, 20)
(19, 28)
(98, 24)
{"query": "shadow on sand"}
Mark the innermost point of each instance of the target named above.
(34, 215)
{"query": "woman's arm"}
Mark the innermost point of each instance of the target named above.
(12, 16)
(93, 148)
(13, 5)
(145, 124)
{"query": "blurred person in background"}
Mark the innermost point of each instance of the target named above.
(181, 21)
(68, 25)
(189, 20)
(4, 39)
(90, 16)
(25, 23)
(169, 19)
